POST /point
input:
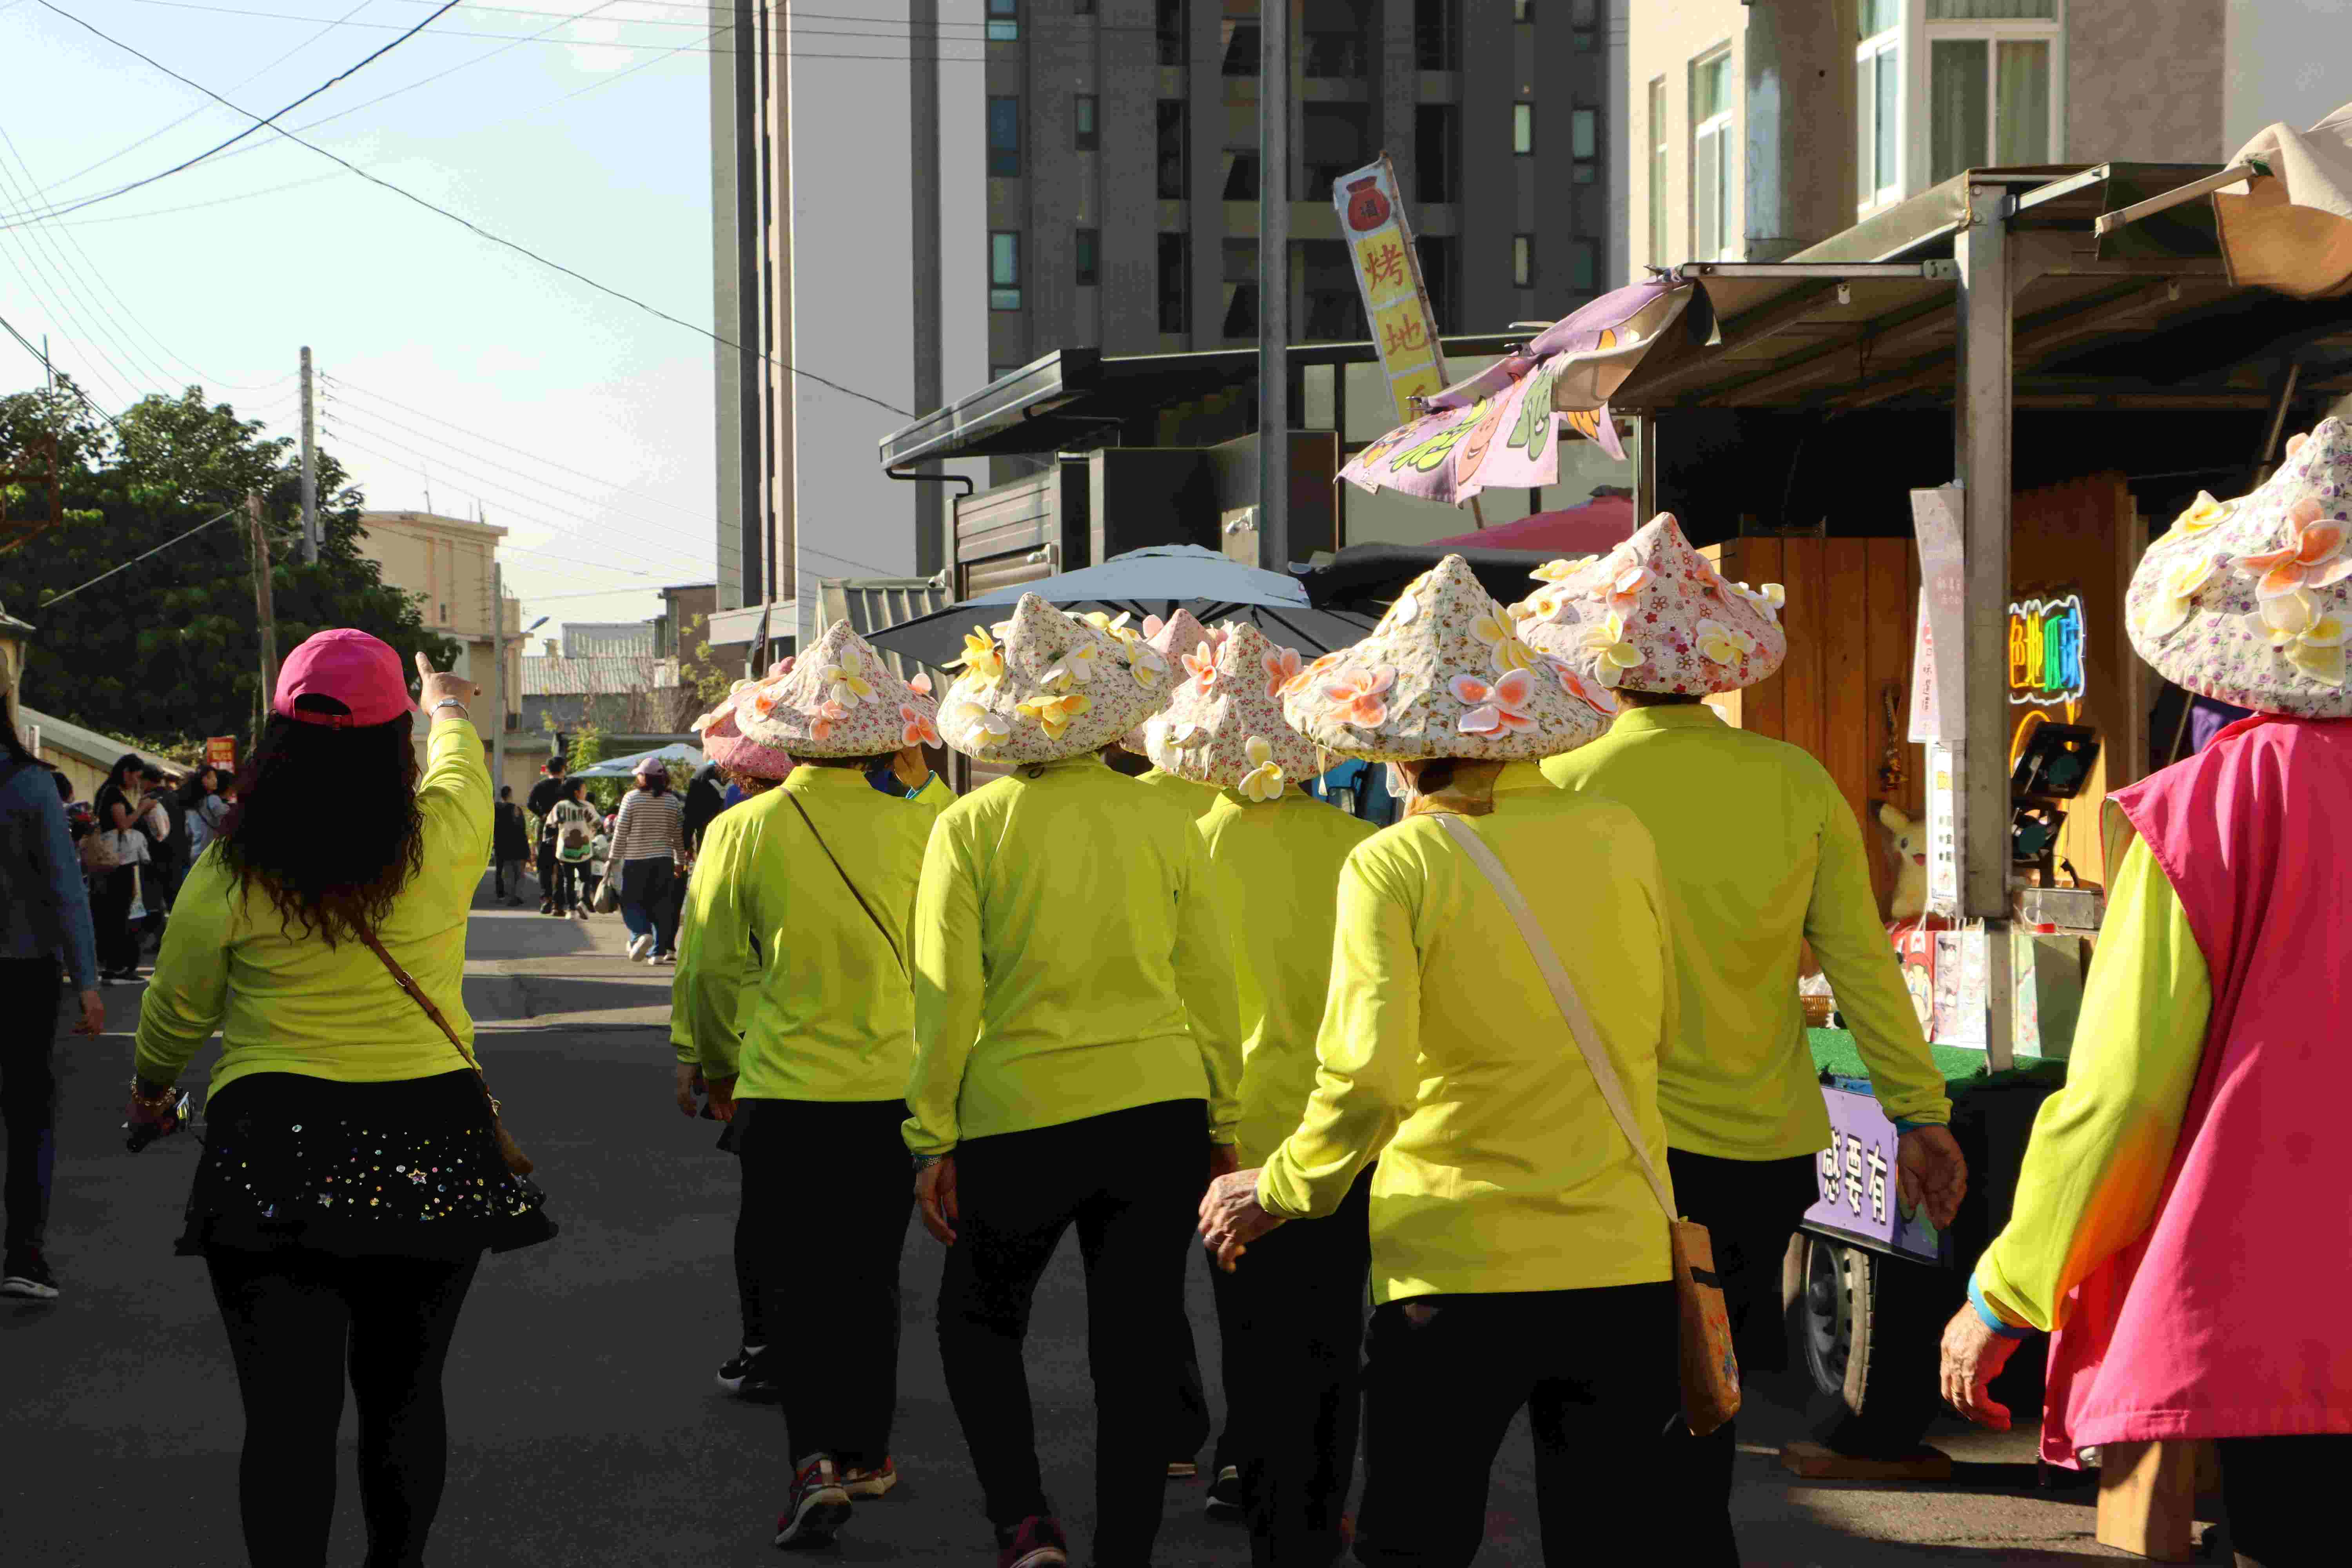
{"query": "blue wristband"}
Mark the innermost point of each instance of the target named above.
(1990, 1318)
(1904, 1124)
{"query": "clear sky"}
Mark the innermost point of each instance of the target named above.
(577, 421)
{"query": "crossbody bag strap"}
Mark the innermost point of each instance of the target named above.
(893, 941)
(1564, 996)
(417, 994)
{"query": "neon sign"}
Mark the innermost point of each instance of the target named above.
(2045, 651)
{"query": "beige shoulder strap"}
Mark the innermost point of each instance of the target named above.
(1563, 996)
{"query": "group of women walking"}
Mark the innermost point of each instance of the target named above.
(1458, 1062)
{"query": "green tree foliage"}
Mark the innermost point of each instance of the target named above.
(171, 649)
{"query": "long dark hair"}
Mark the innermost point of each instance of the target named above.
(126, 765)
(193, 792)
(17, 754)
(326, 822)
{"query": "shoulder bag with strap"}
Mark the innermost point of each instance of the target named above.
(900, 957)
(1710, 1372)
(508, 1150)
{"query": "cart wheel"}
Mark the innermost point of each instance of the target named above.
(1868, 1328)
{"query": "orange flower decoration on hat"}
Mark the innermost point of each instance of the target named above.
(1356, 697)
(1655, 616)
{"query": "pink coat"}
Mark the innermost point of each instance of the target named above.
(2232, 1317)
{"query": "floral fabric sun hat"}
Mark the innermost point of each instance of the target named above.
(2247, 601)
(1443, 675)
(724, 743)
(1044, 686)
(1655, 614)
(1224, 726)
(837, 700)
(1171, 639)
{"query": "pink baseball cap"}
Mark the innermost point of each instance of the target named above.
(362, 672)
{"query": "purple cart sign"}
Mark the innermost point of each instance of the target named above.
(1857, 1178)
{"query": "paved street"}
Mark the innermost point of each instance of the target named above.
(586, 1428)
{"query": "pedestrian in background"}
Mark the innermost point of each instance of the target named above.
(541, 802)
(117, 805)
(648, 842)
(577, 823)
(353, 1176)
(820, 871)
(1519, 1255)
(705, 799)
(44, 917)
(509, 848)
(202, 810)
(1078, 1058)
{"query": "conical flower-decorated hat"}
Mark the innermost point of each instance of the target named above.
(2247, 601)
(1224, 726)
(724, 743)
(1655, 614)
(1178, 636)
(1441, 676)
(1053, 687)
(838, 700)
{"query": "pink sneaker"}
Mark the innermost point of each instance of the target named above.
(1037, 1544)
(815, 1507)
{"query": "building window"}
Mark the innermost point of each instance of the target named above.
(1005, 138)
(1878, 104)
(1991, 84)
(1438, 253)
(1175, 286)
(1584, 23)
(1083, 7)
(1003, 270)
(1242, 47)
(1523, 261)
(1175, 125)
(1523, 129)
(1168, 21)
(1713, 155)
(1082, 121)
(1088, 242)
(1436, 150)
(1523, 10)
(1003, 21)
(1658, 171)
(1436, 36)
(1584, 146)
(1241, 177)
(1584, 266)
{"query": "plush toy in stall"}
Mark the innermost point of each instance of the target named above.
(1910, 841)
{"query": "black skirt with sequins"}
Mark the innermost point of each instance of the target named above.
(407, 1168)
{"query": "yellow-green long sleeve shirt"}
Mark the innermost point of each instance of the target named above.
(2100, 1145)
(1441, 1054)
(834, 1018)
(1070, 960)
(288, 1003)
(1761, 854)
(1279, 862)
(1191, 795)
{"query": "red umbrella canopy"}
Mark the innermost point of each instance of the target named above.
(1597, 527)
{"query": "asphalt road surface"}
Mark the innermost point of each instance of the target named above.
(585, 1426)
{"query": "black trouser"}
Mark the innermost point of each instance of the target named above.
(547, 868)
(2280, 1495)
(1597, 1371)
(571, 880)
(1131, 1182)
(29, 1093)
(1292, 1318)
(508, 876)
(296, 1320)
(841, 1164)
(647, 904)
(110, 915)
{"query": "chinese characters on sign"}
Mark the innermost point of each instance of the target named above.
(2045, 651)
(1856, 1177)
(220, 751)
(1389, 274)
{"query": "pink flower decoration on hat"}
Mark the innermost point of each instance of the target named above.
(919, 726)
(827, 711)
(1280, 666)
(1595, 696)
(2314, 557)
(1497, 708)
(1201, 666)
(1359, 697)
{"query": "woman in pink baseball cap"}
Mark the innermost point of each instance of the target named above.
(353, 1175)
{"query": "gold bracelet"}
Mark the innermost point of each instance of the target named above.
(158, 1101)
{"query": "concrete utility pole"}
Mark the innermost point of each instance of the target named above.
(497, 682)
(264, 607)
(310, 467)
(923, 127)
(1273, 285)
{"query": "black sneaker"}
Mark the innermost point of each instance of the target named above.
(745, 1374)
(1226, 1502)
(27, 1275)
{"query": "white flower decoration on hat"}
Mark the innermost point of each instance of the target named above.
(1263, 782)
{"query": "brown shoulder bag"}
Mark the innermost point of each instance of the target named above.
(508, 1150)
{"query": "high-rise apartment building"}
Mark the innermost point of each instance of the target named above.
(1121, 141)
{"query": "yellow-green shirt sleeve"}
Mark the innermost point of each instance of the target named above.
(1365, 1051)
(2102, 1145)
(454, 798)
(1849, 939)
(188, 995)
(710, 979)
(948, 981)
(1204, 978)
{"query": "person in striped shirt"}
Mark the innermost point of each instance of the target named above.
(648, 842)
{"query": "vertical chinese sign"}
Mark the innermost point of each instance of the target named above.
(220, 751)
(1388, 272)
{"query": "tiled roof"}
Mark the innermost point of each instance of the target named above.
(607, 674)
(605, 639)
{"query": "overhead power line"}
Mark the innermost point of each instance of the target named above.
(469, 224)
(50, 365)
(135, 560)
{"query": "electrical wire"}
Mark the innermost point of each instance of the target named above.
(51, 367)
(135, 560)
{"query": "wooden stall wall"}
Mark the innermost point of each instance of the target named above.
(1852, 604)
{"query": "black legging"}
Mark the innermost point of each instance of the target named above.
(110, 915)
(295, 1319)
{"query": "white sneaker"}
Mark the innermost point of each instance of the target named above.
(666, 958)
(640, 946)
